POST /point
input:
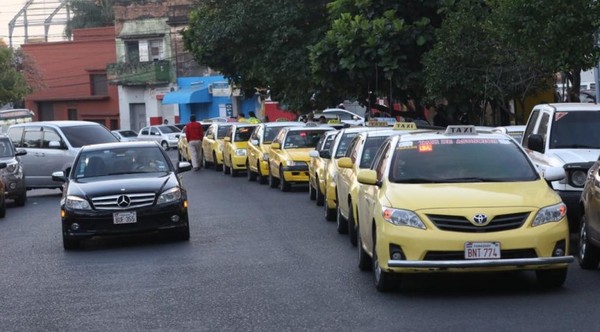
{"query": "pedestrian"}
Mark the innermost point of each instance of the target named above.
(194, 135)
(322, 119)
(241, 117)
(252, 118)
(166, 122)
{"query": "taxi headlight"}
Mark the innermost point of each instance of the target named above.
(291, 163)
(265, 157)
(401, 217)
(578, 178)
(168, 196)
(548, 214)
(240, 152)
(77, 203)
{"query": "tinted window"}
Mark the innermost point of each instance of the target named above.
(530, 125)
(117, 161)
(460, 160)
(15, 134)
(128, 133)
(33, 139)
(344, 143)
(51, 136)
(169, 129)
(302, 138)
(372, 144)
(222, 131)
(270, 133)
(572, 130)
(242, 134)
(79, 136)
(6, 148)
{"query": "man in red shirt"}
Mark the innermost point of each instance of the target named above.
(194, 135)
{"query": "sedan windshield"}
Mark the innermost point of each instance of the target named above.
(117, 161)
(563, 136)
(460, 160)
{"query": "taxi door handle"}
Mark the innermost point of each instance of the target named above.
(39, 154)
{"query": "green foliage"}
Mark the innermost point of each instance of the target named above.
(90, 14)
(13, 87)
(259, 44)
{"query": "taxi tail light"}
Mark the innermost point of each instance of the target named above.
(396, 252)
(560, 249)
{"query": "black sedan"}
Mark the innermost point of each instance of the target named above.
(123, 188)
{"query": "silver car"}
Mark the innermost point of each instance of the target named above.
(13, 175)
(166, 135)
(52, 145)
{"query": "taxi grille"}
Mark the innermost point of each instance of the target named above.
(460, 255)
(112, 202)
(461, 224)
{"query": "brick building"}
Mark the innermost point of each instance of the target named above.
(74, 79)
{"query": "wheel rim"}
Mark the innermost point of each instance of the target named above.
(376, 267)
(582, 241)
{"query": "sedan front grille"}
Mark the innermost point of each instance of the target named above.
(123, 202)
(460, 255)
(461, 224)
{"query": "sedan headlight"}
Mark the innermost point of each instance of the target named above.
(240, 152)
(77, 203)
(168, 196)
(548, 214)
(11, 167)
(577, 178)
(401, 217)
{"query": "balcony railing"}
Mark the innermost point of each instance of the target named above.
(139, 73)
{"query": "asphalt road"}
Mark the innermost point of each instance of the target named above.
(258, 260)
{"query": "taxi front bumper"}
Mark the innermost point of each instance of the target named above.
(481, 263)
(297, 173)
(238, 162)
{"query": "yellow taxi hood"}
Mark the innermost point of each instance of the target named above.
(489, 194)
(300, 154)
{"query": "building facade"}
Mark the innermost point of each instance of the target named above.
(74, 79)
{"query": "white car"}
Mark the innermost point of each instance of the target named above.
(346, 116)
(125, 135)
(166, 135)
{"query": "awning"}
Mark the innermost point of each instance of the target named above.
(187, 96)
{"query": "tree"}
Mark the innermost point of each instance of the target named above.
(90, 14)
(258, 44)
(375, 46)
(13, 87)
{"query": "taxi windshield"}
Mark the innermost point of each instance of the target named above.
(457, 160)
(302, 139)
(242, 134)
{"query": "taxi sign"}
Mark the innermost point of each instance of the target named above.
(311, 124)
(334, 121)
(460, 130)
(375, 123)
(405, 126)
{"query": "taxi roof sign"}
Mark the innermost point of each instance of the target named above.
(375, 123)
(405, 126)
(461, 130)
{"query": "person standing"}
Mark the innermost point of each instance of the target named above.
(194, 135)
(252, 118)
(241, 117)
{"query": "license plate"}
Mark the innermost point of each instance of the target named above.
(124, 217)
(482, 250)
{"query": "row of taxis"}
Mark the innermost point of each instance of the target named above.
(417, 200)
(451, 200)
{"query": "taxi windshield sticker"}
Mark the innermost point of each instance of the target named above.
(425, 147)
(428, 145)
(559, 115)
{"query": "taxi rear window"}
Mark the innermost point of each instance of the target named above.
(460, 160)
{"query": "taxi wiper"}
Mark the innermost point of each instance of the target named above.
(576, 146)
(472, 179)
(417, 180)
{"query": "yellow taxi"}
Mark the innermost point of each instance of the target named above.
(212, 144)
(317, 166)
(288, 157)
(359, 156)
(182, 145)
(447, 202)
(259, 146)
(235, 148)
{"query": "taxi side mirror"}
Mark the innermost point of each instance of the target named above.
(345, 162)
(535, 142)
(367, 176)
(254, 141)
(275, 145)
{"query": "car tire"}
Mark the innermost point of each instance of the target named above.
(312, 195)
(284, 185)
(341, 222)
(352, 226)
(232, 170)
(21, 199)
(262, 179)
(320, 196)
(381, 279)
(226, 169)
(70, 244)
(181, 234)
(165, 145)
(552, 278)
(2, 206)
(251, 175)
(330, 214)
(205, 164)
(273, 181)
(364, 261)
(218, 167)
(588, 255)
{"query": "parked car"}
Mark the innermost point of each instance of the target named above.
(589, 231)
(13, 176)
(212, 145)
(53, 145)
(125, 135)
(514, 131)
(235, 148)
(165, 135)
(346, 116)
(565, 135)
(124, 188)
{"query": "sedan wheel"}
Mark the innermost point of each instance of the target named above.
(21, 199)
(382, 279)
(262, 179)
(312, 195)
(352, 228)
(320, 196)
(273, 181)
(164, 145)
(589, 255)
(342, 223)
(364, 261)
(251, 175)
(285, 186)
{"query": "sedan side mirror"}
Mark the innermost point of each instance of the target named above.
(535, 142)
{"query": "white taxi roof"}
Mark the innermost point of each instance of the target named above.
(451, 132)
